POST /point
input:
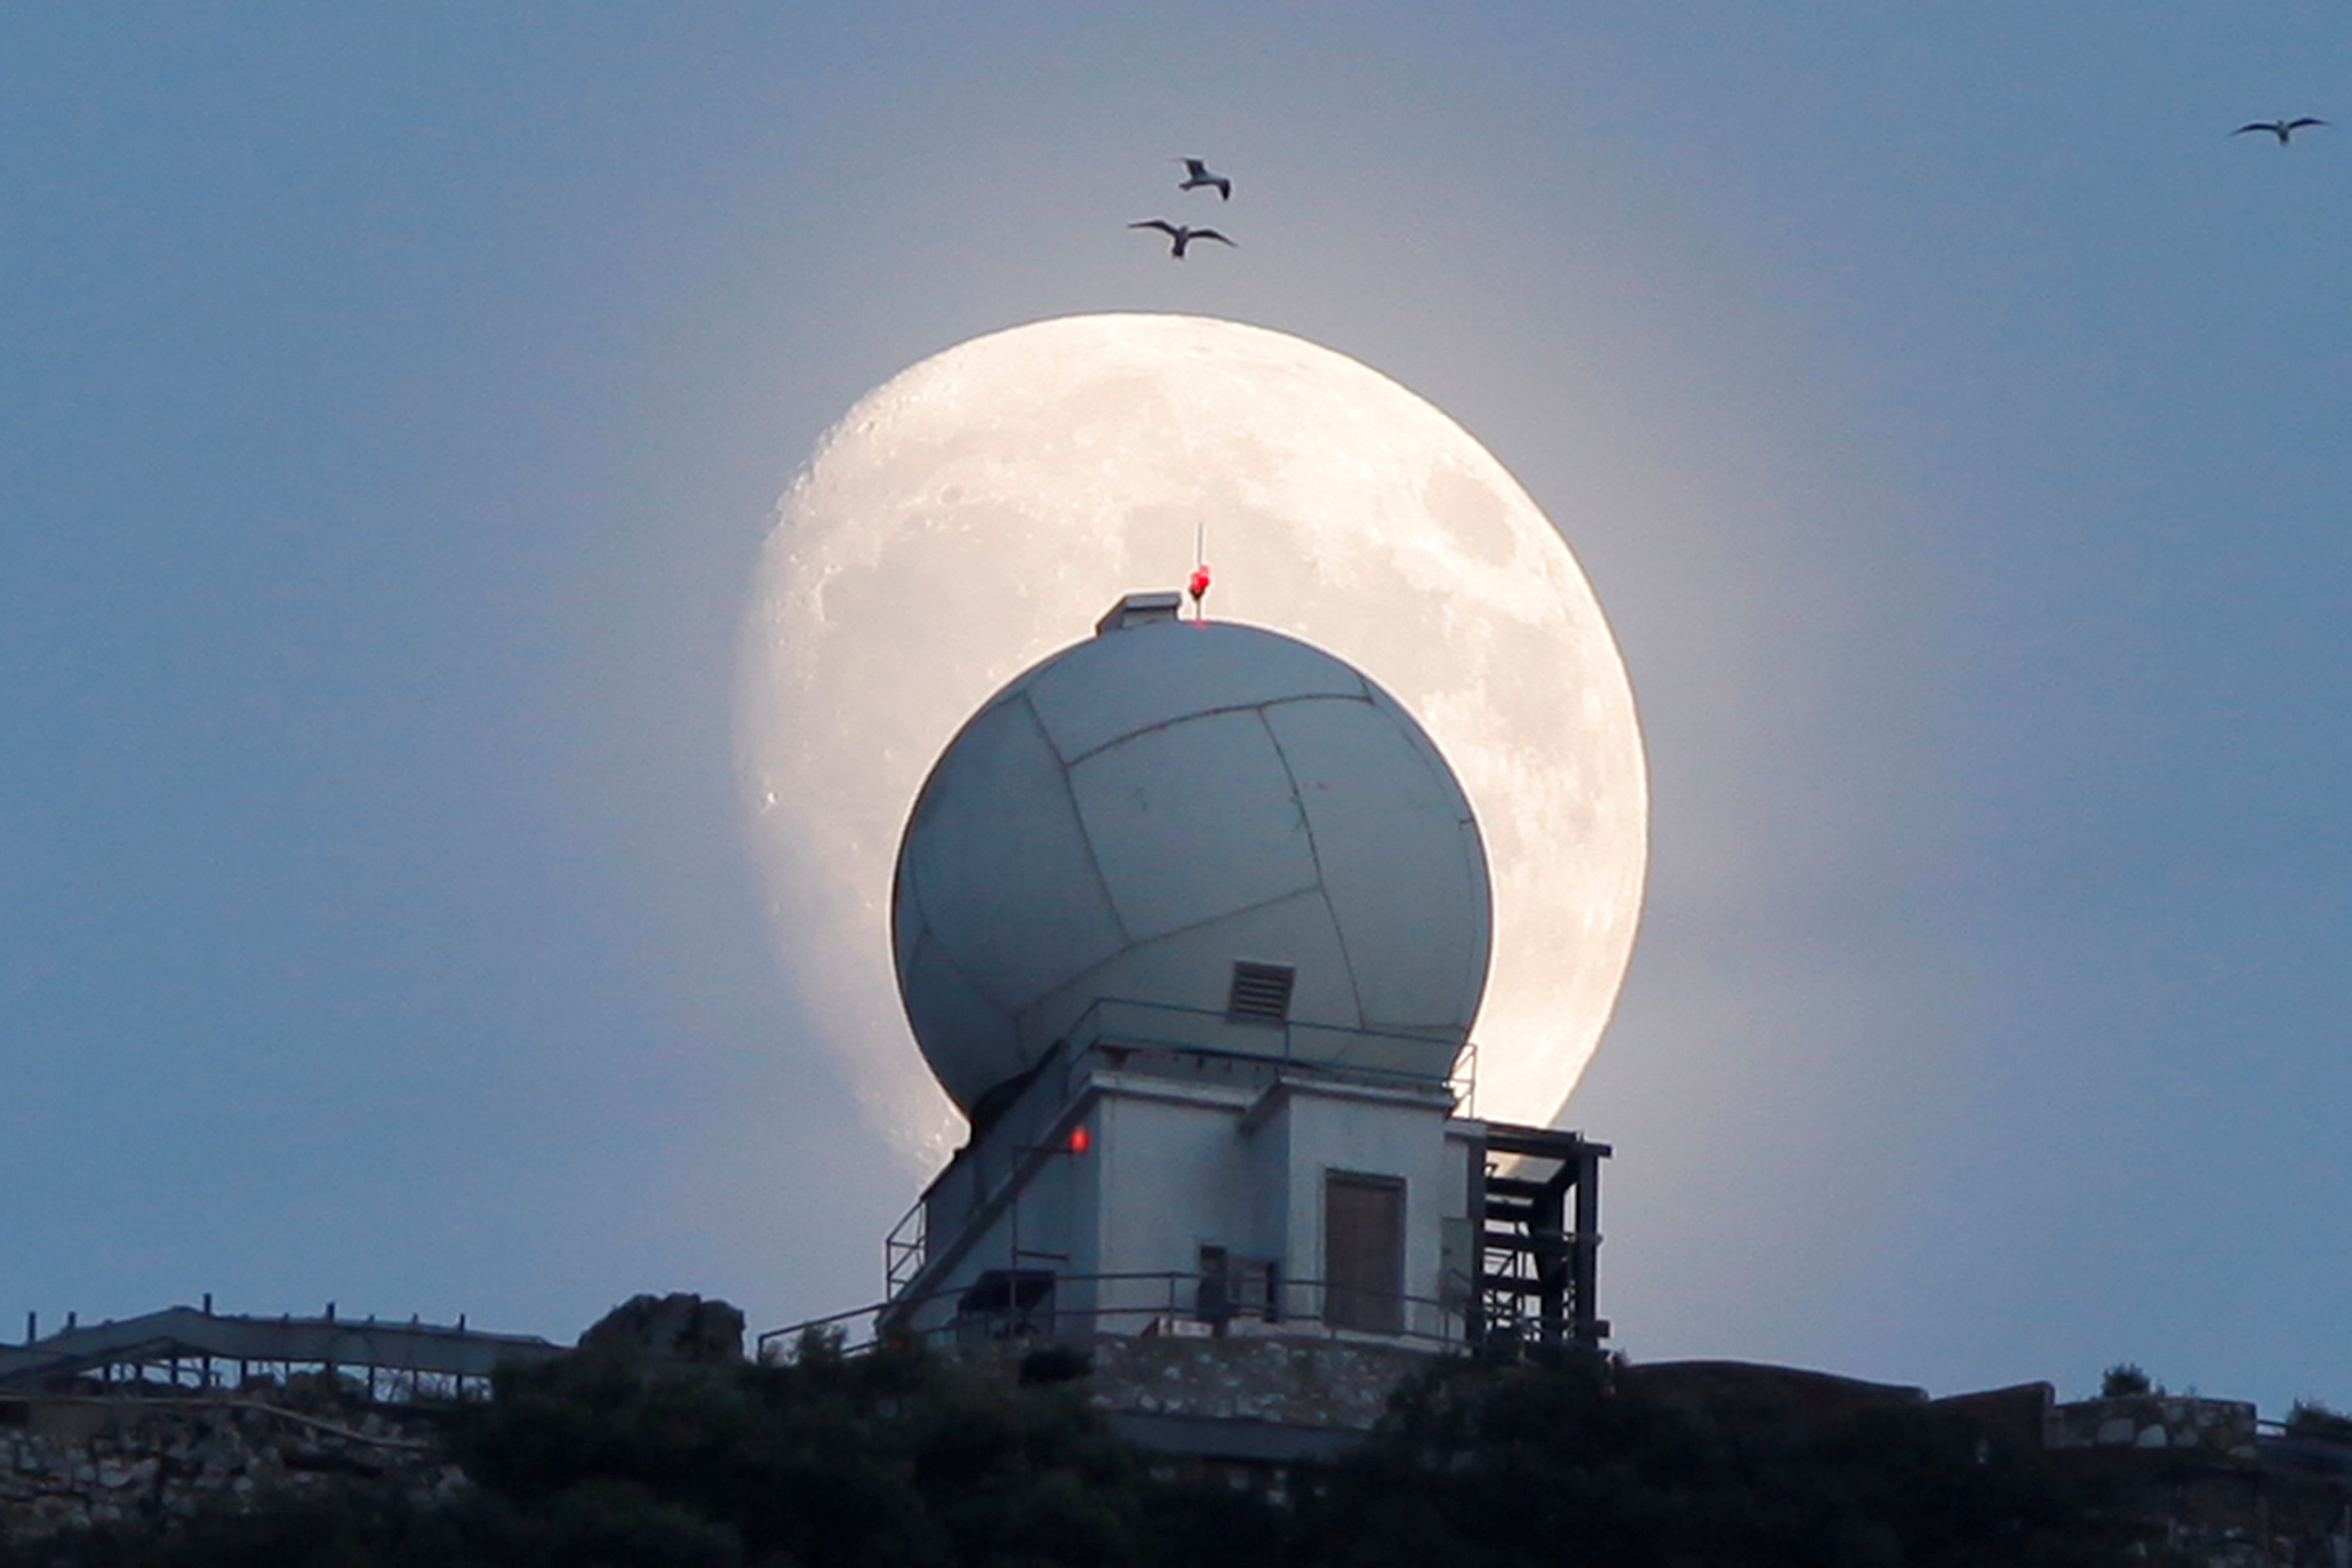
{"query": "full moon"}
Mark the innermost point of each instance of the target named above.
(982, 509)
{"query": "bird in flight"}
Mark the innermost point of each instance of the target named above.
(1182, 235)
(1196, 174)
(2282, 129)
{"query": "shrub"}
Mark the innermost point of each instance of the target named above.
(2124, 1379)
(2310, 1418)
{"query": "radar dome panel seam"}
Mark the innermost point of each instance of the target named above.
(1135, 676)
(987, 1042)
(1213, 712)
(1127, 818)
(1311, 949)
(990, 844)
(1183, 931)
(1350, 768)
(1314, 851)
(1207, 784)
(1077, 815)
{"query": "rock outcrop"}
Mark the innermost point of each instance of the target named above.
(679, 1327)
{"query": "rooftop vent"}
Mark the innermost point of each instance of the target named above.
(1261, 992)
(1138, 610)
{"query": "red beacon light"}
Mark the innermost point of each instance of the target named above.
(1198, 587)
(1081, 1140)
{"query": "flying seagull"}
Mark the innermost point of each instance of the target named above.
(2282, 129)
(1181, 233)
(1196, 174)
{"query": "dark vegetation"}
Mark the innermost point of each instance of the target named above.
(898, 1459)
(1575, 1464)
(2310, 1418)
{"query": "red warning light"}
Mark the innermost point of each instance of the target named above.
(1080, 1140)
(1198, 587)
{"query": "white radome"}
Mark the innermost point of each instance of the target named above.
(977, 511)
(1144, 813)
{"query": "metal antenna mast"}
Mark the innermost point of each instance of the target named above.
(1198, 586)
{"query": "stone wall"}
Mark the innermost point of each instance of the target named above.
(1327, 1383)
(66, 1461)
(2214, 1429)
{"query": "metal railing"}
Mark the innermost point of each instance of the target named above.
(1170, 1303)
(190, 1347)
(1380, 1056)
(903, 1250)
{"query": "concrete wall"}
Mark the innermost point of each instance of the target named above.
(1174, 1163)
(1170, 1177)
(1333, 1131)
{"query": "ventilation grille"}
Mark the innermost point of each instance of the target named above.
(1262, 992)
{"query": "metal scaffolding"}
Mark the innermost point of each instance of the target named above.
(1539, 1227)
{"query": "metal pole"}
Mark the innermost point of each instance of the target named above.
(1587, 1258)
(1552, 1271)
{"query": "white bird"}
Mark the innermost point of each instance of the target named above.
(1182, 235)
(1196, 174)
(2282, 129)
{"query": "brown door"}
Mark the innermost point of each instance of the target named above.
(1363, 1252)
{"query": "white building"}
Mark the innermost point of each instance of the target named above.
(1191, 919)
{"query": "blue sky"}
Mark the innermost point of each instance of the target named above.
(1951, 414)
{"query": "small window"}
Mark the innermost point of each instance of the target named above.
(1262, 992)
